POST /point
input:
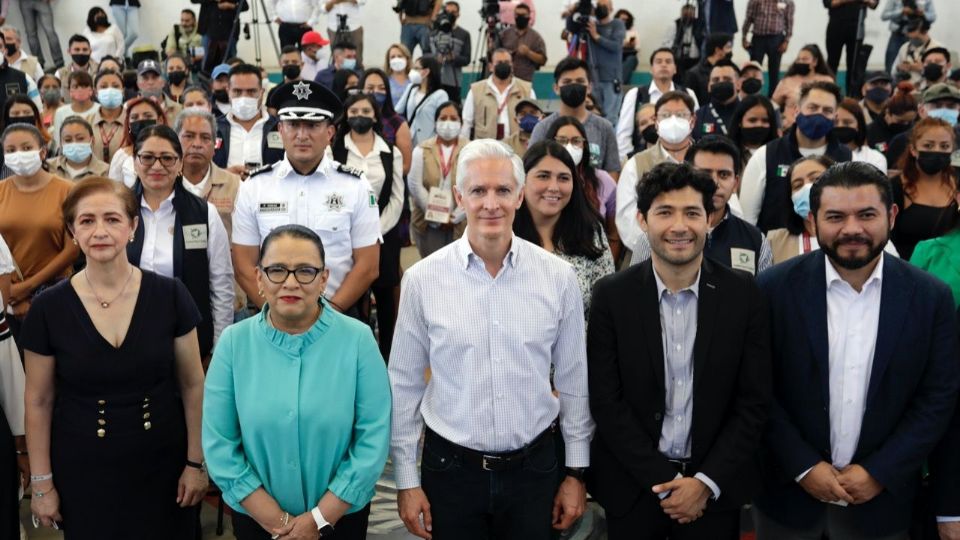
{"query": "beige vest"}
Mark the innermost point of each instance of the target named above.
(784, 245)
(485, 106)
(58, 167)
(29, 66)
(432, 176)
(221, 191)
(648, 159)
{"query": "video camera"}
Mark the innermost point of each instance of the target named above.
(582, 14)
(444, 22)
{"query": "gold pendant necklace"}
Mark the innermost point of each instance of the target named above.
(103, 303)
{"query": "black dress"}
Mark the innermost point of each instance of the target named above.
(918, 222)
(118, 436)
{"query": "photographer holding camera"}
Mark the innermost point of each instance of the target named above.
(899, 13)
(343, 22)
(605, 49)
(526, 44)
(451, 46)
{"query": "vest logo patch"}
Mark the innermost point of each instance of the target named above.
(195, 236)
(334, 202)
(743, 259)
(12, 89)
(782, 170)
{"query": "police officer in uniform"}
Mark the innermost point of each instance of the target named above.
(308, 189)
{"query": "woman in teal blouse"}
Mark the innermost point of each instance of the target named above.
(941, 257)
(296, 411)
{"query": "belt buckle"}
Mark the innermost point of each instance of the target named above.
(491, 460)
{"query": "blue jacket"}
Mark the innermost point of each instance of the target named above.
(910, 396)
(421, 117)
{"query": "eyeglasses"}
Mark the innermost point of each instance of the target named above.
(304, 275)
(576, 141)
(166, 160)
(683, 115)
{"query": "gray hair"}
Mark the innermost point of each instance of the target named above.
(487, 149)
(15, 31)
(194, 113)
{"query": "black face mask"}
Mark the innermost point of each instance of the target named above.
(801, 69)
(100, 21)
(11, 48)
(650, 134)
(751, 86)
(522, 22)
(932, 72)
(602, 12)
(754, 136)
(845, 135)
(897, 128)
(291, 72)
(933, 162)
(176, 77)
(80, 59)
(360, 124)
(137, 126)
(502, 70)
(573, 95)
(221, 96)
(29, 120)
(721, 92)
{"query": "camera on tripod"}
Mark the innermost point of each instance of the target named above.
(443, 23)
(582, 14)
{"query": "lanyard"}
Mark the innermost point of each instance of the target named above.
(106, 140)
(445, 166)
(806, 243)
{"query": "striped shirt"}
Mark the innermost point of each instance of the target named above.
(769, 18)
(489, 343)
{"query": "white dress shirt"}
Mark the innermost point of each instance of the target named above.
(628, 113)
(350, 8)
(871, 156)
(197, 189)
(157, 256)
(489, 388)
(469, 112)
(372, 168)
(295, 11)
(754, 181)
(852, 322)
(246, 146)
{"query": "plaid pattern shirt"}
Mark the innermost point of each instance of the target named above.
(769, 17)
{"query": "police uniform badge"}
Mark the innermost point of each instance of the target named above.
(334, 202)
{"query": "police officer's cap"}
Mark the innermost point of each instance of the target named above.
(305, 100)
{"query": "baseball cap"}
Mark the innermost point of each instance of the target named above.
(941, 91)
(222, 69)
(313, 38)
(148, 65)
(874, 76)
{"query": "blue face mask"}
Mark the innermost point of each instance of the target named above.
(349, 63)
(380, 97)
(528, 122)
(814, 126)
(110, 98)
(77, 152)
(801, 201)
(949, 116)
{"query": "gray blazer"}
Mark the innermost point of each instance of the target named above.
(422, 117)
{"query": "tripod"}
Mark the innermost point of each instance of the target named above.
(255, 19)
(489, 31)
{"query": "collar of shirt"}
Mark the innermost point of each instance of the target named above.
(166, 207)
(379, 146)
(283, 169)
(662, 288)
(726, 216)
(198, 188)
(666, 154)
(833, 277)
(466, 254)
(500, 95)
(653, 91)
(264, 116)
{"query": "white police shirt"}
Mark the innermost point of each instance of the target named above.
(335, 201)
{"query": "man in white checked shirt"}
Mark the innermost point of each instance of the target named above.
(489, 315)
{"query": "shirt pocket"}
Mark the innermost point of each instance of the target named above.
(269, 222)
(334, 230)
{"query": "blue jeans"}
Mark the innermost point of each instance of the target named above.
(413, 34)
(128, 21)
(609, 100)
(32, 11)
(896, 41)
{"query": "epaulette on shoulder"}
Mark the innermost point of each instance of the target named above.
(346, 169)
(260, 170)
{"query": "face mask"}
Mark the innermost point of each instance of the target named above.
(602, 12)
(448, 130)
(576, 154)
(898, 127)
(528, 122)
(947, 115)
(933, 162)
(110, 98)
(291, 72)
(360, 124)
(349, 63)
(25, 163)
(673, 130)
(650, 134)
(381, 97)
(814, 126)
(81, 94)
(754, 136)
(176, 77)
(877, 95)
(221, 96)
(138, 125)
(502, 70)
(77, 152)
(28, 120)
(752, 86)
(80, 59)
(415, 77)
(573, 95)
(522, 22)
(11, 48)
(916, 42)
(721, 92)
(845, 135)
(932, 72)
(155, 94)
(100, 20)
(801, 69)
(801, 201)
(398, 63)
(244, 108)
(51, 96)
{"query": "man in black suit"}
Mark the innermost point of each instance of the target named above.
(865, 375)
(678, 358)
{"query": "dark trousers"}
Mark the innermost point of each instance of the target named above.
(386, 317)
(841, 35)
(647, 521)
(290, 33)
(350, 527)
(834, 522)
(768, 46)
(468, 503)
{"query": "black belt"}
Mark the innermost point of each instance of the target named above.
(496, 461)
(680, 465)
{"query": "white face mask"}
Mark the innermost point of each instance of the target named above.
(398, 63)
(673, 130)
(244, 108)
(448, 129)
(415, 77)
(25, 163)
(575, 153)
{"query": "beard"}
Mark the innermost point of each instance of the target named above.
(659, 247)
(832, 250)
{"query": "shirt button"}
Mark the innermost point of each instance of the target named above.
(679, 312)
(680, 383)
(679, 419)
(679, 347)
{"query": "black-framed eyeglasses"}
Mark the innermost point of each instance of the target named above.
(166, 160)
(277, 273)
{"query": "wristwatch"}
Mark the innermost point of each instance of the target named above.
(576, 472)
(323, 526)
(202, 465)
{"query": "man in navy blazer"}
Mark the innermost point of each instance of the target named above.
(865, 372)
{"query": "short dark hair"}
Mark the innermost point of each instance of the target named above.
(80, 78)
(77, 38)
(445, 105)
(667, 50)
(726, 63)
(76, 121)
(716, 41)
(193, 89)
(667, 177)
(292, 231)
(570, 64)
(107, 73)
(716, 144)
(849, 175)
(190, 11)
(823, 86)
(162, 131)
(287, 49)
(344, 46)
(92, 18)
(935, 50)
(453, 3)
(246, 69)
(675, 95)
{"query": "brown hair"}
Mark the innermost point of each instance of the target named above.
(908, 163)
(902, 101)
(161, 117)
(97, 184)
